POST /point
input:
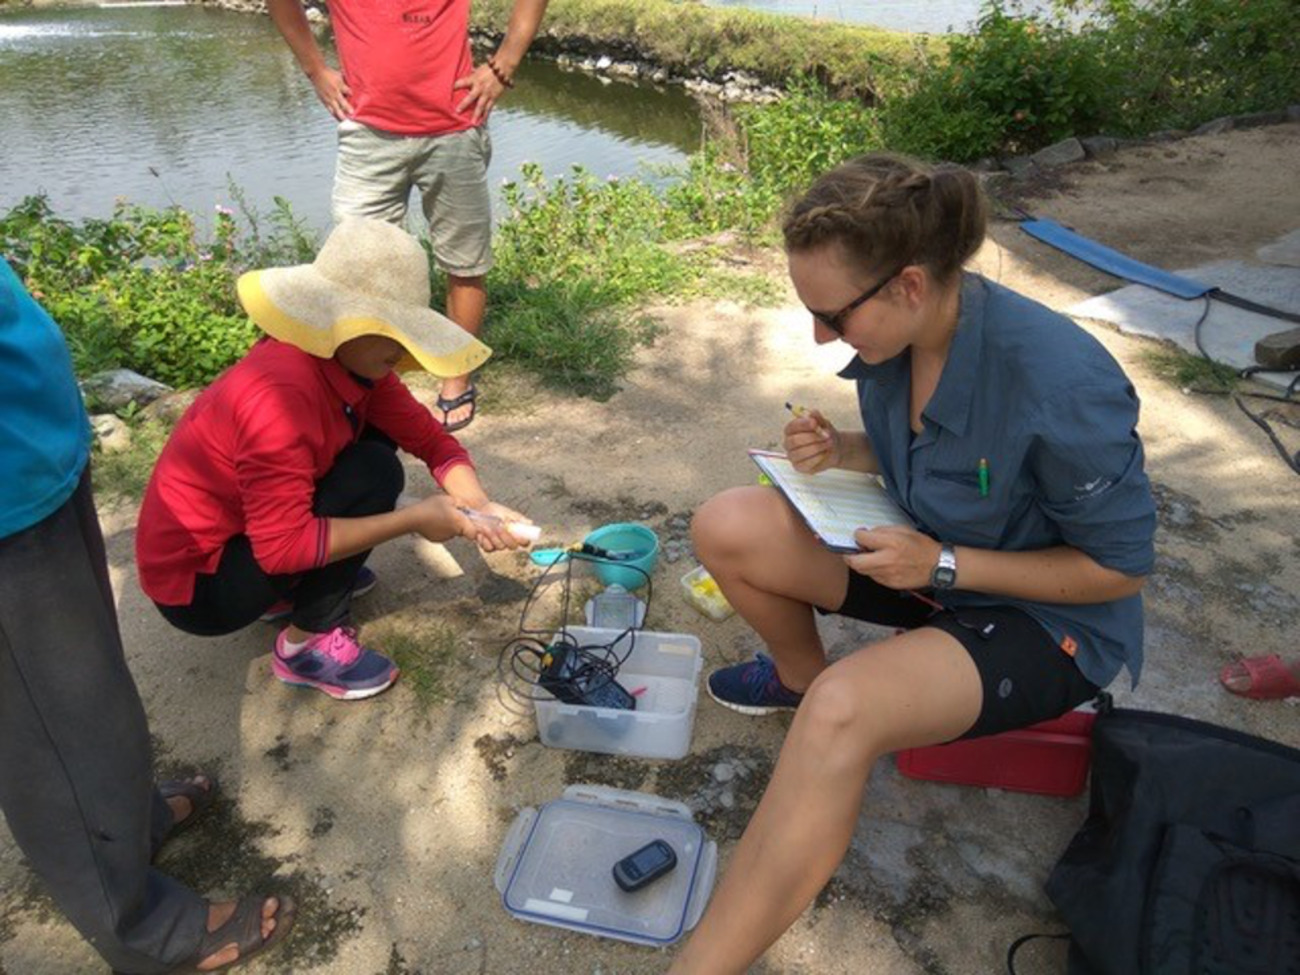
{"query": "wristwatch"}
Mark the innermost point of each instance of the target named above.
(944, 573)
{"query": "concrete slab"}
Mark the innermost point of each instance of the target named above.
(1228, 333)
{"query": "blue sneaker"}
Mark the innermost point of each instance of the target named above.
(752, 688)
(336, 664)
(283, 609)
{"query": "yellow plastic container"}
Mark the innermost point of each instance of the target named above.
(703, 593)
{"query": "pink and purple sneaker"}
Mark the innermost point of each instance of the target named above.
(336, 664)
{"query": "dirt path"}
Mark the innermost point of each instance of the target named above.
(387, 816)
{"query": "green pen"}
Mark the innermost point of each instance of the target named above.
(984, 477)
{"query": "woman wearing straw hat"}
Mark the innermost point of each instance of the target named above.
(283, 475)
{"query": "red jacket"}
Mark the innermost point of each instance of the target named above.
(245, 459)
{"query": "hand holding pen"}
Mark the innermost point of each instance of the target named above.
(810, 441)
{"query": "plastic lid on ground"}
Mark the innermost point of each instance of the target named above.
(556, 865)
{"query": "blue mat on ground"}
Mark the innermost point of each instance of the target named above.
(1112, 261)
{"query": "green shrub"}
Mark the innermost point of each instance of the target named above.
(568, 332)
(140, 290)
(1017, 83)
(1183, 62)
(792, 141)
(1020, 82)
(580, 227)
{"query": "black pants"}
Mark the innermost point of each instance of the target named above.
(366, 479)
(75, 768)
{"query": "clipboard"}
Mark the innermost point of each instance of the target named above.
(834, 502)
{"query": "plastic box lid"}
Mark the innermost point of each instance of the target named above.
(556, 865)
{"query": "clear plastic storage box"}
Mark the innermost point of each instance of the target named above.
(556, 866)
(662, 669)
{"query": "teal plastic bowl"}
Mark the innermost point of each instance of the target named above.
(625, 537)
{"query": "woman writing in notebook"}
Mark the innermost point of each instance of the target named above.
(1007, 435)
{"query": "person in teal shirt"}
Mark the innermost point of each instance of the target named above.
(76, 782)
(1008, 435)
(44, 433)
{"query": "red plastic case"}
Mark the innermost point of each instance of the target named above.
(1050, 759)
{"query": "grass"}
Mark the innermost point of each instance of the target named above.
(424, 655)
(1193, 372)
(695, 39)
(124, 474)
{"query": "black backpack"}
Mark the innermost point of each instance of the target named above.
(1189, 860)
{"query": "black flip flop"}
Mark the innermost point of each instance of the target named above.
(244, 930)
(199, 797)
(470, 397)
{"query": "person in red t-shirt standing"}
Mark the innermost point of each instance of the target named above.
(412, 111)
(283, 474)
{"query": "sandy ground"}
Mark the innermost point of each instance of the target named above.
(386, 817)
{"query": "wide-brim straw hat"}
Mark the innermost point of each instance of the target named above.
(370, 278)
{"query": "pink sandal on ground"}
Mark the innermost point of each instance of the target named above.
(1270, 678)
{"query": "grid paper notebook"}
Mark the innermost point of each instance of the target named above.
(834, 503)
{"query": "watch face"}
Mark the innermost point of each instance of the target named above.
(944, 575)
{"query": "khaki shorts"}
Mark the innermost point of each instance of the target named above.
(376, 171)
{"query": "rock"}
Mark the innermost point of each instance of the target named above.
(1216, 126)
(1167, 135)
(1293, 113)
(111, 432)
(659, 76)
(1266, 598)
(995, 183)
(1097, 146)
(170, 407)
(116, 389)
(1253, 120)
(1064, 152)
(1020, 167)
(986, 165)
(727, 800)
(722, 772)
(743, 79)
(604, 62)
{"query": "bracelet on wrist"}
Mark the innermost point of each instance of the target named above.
(501, 75)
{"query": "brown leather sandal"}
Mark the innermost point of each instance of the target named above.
(200, 798)
(243, 930)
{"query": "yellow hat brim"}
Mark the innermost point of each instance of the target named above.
(458, 352)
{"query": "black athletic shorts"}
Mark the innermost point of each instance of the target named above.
(1027, 678)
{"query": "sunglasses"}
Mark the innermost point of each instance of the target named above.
(835, 320)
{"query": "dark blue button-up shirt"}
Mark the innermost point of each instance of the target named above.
(1054, 416)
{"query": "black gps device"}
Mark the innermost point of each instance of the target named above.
(645, 866)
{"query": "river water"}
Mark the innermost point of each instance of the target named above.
(172, 104)
(169, 104)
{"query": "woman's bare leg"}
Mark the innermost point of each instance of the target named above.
(773, 570)
(915, 689)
